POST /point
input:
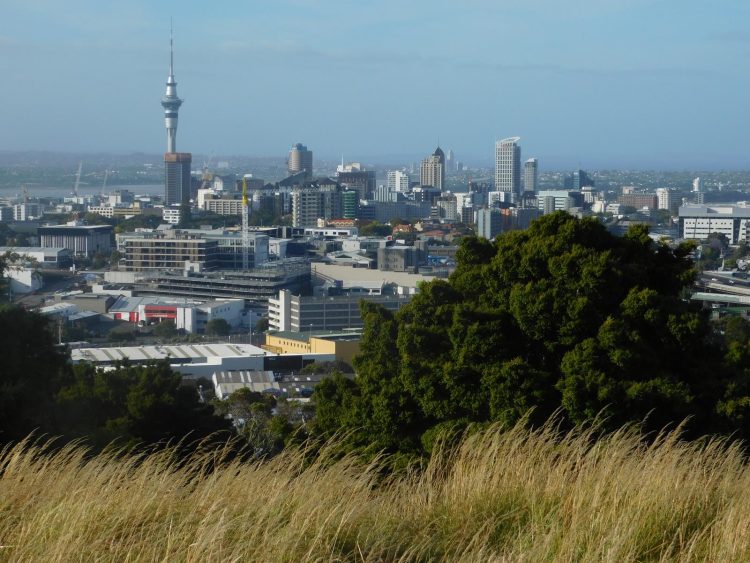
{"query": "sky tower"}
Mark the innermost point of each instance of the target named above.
(170, 102)
(177, 182)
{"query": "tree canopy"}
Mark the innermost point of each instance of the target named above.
(562, 317)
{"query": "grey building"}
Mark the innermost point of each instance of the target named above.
(82, 240)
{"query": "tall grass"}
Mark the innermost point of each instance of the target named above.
(516, 495)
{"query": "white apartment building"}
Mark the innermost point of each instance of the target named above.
(508, 165)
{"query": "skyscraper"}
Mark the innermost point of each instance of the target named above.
(300, 159)
(176, 164)
(508, 165)
(432, 171)
(531, 175)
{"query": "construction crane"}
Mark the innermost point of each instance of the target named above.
(78, 179)
(104, 184)
(207, 176)
(245, 226)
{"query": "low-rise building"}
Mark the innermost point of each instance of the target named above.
(187, 314)
(82, 240)
(343, 345)
(199, 360)
(42, 257)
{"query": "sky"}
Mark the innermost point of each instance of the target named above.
(595, 83)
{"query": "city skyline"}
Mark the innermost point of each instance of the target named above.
(614, 94)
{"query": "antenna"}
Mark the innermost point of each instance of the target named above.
(171, 49)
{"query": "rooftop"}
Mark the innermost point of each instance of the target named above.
(189, 352)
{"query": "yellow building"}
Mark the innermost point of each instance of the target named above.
(343, 345)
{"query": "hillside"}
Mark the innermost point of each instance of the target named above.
(516, 495)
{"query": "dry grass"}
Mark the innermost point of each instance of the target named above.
(500, 496)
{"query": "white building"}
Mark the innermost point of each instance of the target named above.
(398, 181)
(187, 314)
(171, 215)
(699, 221)
(508, 165)
(199, 360)
(664, 198)
(531, 175)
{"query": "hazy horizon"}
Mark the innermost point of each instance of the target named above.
(605, 84)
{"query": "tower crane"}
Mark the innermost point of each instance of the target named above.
(78, 179)
(245, 226)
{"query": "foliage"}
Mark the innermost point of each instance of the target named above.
(217, 327)
(165, 329)
(562, 316)
(375, 228)
(31, 371)
(261, 325)
(137, 403)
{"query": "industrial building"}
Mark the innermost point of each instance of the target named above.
(187, 314)
(199, 360)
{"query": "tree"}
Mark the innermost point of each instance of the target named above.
(261, 325)
(563, 316)
(165, 329)
(31, 372)
(217, 327)
(133, 404)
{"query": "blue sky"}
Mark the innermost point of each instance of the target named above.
(603, 83)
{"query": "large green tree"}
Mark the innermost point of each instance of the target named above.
(147, 404)
(562, 316)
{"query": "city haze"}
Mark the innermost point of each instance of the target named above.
(616, 83)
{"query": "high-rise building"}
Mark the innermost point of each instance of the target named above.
(432, 171)
(578, 179)
(176, 165)
(698, 191)
(531, 175)
(353, 176)
(508, 165)
(664, 198)
(398, 181)
(177, 178)
(300, 159)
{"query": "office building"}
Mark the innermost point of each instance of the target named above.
(82, 240)
(639, 201)
(317, 200)
(577, 180)
(300, 160)
(289, 312)
(432, 170)
(698, 221)
(448, 207)
(508, 165)
(354, 177)
(490, 223)
(549, 201)
(177, 178)
(398, 181)
(26, 211)
(531, 175)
